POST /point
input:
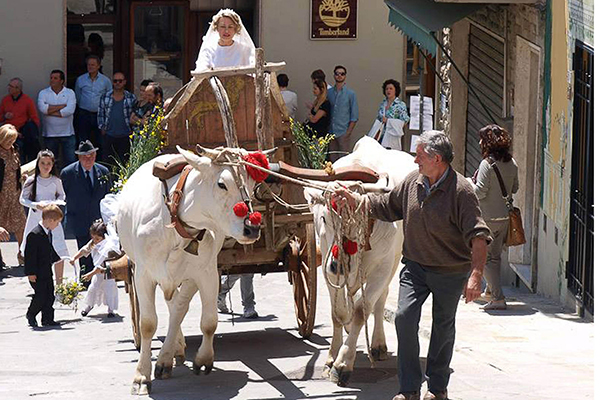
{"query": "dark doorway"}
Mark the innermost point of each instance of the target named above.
(580, 268)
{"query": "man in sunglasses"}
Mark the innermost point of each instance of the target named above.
(114, 111)
(344, 114)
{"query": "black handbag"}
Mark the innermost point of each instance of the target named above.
(516, 233)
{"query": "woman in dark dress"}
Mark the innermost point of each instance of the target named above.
(320, 113)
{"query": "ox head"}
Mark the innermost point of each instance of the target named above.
(221, 194)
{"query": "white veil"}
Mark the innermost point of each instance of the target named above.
(210, 41)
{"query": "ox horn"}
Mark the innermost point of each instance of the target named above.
(210, 153)
(366, 187)
(270, 152)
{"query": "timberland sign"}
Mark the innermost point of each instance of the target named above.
(333, 19)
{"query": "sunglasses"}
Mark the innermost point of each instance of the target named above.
(340, 73)
(118, 80)
(13, 86)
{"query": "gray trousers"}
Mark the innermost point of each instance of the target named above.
(491, 272)
(246, 288)
(416, 283)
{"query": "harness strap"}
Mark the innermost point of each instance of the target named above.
(173, 205)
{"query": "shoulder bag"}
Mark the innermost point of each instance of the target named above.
(516, 233)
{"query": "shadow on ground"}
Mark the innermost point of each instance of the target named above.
(274, 343)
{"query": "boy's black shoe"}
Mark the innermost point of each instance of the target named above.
(32, 322)
(51, 323)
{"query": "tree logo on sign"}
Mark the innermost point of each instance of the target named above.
(334, 13)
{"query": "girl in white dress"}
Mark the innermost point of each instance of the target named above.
(42, 189)
(226, 43)
(101, 290)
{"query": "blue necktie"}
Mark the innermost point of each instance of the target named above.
(89, 180)
(50, 237)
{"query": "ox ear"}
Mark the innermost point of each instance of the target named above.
(193, 159)
(313, 195)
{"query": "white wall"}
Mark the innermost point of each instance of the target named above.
(33, 42)
(375, 56)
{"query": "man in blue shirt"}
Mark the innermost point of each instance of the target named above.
(89, 89)
(344, 114)
(114, 114)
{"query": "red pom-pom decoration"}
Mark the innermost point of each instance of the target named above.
(350, 247)
(335, 251)
(334, 205)
(255, 218)
(240, 209)
(260, 159)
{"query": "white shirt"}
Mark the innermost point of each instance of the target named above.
(55, 126)
(224, 56)
(291, 102)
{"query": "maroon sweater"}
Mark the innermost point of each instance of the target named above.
(438, 228)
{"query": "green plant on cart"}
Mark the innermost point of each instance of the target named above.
(146, 141)
(312, 150)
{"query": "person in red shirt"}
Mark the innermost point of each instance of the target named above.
(19, 110)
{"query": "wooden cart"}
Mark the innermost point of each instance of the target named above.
(242, 107)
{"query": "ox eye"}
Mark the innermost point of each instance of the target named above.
(323, 218)
(222, 185)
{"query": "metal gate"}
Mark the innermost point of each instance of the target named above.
(486, 76)
(580, 268)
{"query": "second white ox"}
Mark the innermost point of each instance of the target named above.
(209, 195)
(379, 264)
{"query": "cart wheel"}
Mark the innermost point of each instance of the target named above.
(134, 306)
(304, 281)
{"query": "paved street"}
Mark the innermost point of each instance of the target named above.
(533, 351)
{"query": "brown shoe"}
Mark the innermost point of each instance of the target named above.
(443, 395)
(408, 396)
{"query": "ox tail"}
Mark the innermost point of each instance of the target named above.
(168, 290)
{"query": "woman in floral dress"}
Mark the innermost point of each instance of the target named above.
(12, 216)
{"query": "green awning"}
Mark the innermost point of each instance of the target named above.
(417, 19)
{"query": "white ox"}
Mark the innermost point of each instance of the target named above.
(380, 263)
(209, 195)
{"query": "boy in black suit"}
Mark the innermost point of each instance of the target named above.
(39, 257)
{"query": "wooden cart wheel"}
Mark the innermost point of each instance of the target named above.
(134, 306)
(304, 281)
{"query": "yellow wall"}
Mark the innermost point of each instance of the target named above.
(375, 56)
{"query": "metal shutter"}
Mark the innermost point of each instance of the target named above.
(486, 76)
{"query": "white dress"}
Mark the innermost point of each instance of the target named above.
(49, 190)
(217, 56)
(101, 290)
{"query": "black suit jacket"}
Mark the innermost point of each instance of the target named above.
(39, 254)
(83, 205)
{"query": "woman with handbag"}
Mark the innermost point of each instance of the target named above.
(495, 181)
(391, 116)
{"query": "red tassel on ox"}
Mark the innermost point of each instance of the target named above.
(335, 251)
(350, 247)
(260, 159)
(240, 209)
(255, 218)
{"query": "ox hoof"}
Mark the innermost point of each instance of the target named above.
(163, 371)
(339, 376)
(179, 360)
(379, 353)
(206, 370)
(141, 388)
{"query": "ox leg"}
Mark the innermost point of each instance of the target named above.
(338, 334)
(344, 363)
(378, 345)
(173, 346)
(209, 290)
(146, 289)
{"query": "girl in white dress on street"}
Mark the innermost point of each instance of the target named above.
(101, 290)
(42, 189)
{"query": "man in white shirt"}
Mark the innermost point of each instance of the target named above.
(57, 106)
(290, 98)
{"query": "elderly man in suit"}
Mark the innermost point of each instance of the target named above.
(85, 184)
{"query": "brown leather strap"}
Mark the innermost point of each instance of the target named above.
(173, 206)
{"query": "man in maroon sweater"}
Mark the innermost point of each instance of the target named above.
(445, 247)
(18, 109)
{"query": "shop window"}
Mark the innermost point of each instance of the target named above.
(82, 7)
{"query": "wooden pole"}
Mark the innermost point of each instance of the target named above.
(259, 98)
(226, 113)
